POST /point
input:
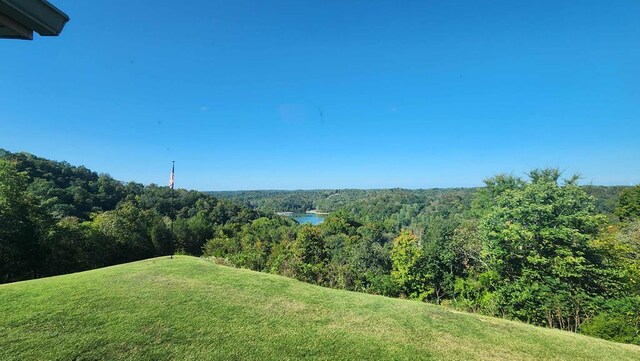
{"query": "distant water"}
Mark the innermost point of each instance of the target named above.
(308, 218)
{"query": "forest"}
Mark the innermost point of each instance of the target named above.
(540, 248)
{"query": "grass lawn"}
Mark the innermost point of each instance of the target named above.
(188, 308)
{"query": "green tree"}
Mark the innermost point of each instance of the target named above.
(65, 247)
(20, 226)
(127, 229)
(542, 265)
(441, 260)
(628, 205)
(310, 253)
(407, 261)
(620, 321)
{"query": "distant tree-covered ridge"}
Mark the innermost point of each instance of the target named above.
(364, 200)
(540, 249)
(57, 218)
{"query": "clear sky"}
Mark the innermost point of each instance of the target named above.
(330, 94)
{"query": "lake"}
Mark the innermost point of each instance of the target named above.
(308, 218)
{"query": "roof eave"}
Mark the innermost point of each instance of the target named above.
(39, 15)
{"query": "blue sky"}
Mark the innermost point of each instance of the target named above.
(330, 94)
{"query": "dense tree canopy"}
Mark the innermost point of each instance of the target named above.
(539, 249)
(56, 218)
(628, 206)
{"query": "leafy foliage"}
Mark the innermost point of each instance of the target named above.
(541, 250)
(628, 206)
(56, 218)
(537, 248)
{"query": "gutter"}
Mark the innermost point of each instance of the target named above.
(39, 15)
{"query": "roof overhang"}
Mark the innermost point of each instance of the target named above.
(20, 18)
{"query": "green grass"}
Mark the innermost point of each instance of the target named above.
(191, 309)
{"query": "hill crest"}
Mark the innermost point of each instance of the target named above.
(191, 308)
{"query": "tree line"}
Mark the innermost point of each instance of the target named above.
(540, 249)
(56, 218)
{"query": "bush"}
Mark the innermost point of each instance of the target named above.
(619, 322)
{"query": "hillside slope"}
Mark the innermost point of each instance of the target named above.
(190, 308)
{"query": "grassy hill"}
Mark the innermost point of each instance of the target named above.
(191, 309)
